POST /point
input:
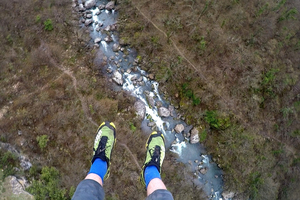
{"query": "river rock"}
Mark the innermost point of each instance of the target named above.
(159, 104)
(115, 47)
(101, 7)
(194, 136)
(150, 100)
(150, 124)
(110, 5)
(89, 16)
(163, 112)
(151, 76)
(203, 170)
(108, 39)
(187, 129)
(117, 77)
(97, 40)
(88, 22)
(228, 195)
(89, 4)
(81, 7)
(140, 109)
(179, 128)
(107, 28)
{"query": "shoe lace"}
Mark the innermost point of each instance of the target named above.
(155, 154)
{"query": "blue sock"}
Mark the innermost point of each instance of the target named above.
(151, 172)
(99, 167)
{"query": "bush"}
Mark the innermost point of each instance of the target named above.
(48, 187)
(42, 140)
(8, 162)
(48, 25)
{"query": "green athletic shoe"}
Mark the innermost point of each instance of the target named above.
(155, 153)
(104, 143)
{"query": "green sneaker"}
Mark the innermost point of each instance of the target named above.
(104, 143)
(155, 153)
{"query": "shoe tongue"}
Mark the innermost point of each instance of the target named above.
(102, 144)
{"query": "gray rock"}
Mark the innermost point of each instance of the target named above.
(163, 112)
(159, 104)
(101, 7)
(88, 22)
(150, 124)
(179, 128)
(108, 39)
(110, 5)
(134, 78)
(107, 28)
(117, 77)
(203, 170)
(97, 40)
(151, 76)
(171, 109)
(14, 189)
(98, 29)
(150, 100)
(81, 7)
(187, 129)
(115, 47)
(89, 16)
(89, 4)
(140, 109)
(228, 195)
(194, 136)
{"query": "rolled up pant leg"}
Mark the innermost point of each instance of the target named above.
(160, 195)
(89, 189)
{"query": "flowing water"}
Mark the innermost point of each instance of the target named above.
(137, 83)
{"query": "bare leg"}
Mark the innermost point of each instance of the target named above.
(96, 178)
(155, 184)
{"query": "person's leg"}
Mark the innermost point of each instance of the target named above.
(150, 176)
(91, 187)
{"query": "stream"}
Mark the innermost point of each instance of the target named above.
(122, 68)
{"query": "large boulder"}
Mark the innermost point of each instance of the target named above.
(115, 47)
(110, 5)
(140, 109)
(163, 112)
(89, 4)
(117, 77)
(88, 22)
(228, 195)
(194, 136)
(179, 128)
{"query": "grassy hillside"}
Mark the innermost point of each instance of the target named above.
(231, 67)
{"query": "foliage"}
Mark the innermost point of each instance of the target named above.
(8, 162)
(48, 25)
(48, 186)
(255, 182)
(203, 136)
(215, 121)
(132, 127)
(188, 93)
(42, 141)
(289, 14)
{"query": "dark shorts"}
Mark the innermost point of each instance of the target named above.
(91, 190)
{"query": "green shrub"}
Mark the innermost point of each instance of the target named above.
(48, 25)
(8, 162)
(42, 140)
(48, 186)
(188, 93)
(216, 122)
(132, 127)
(203, 136)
